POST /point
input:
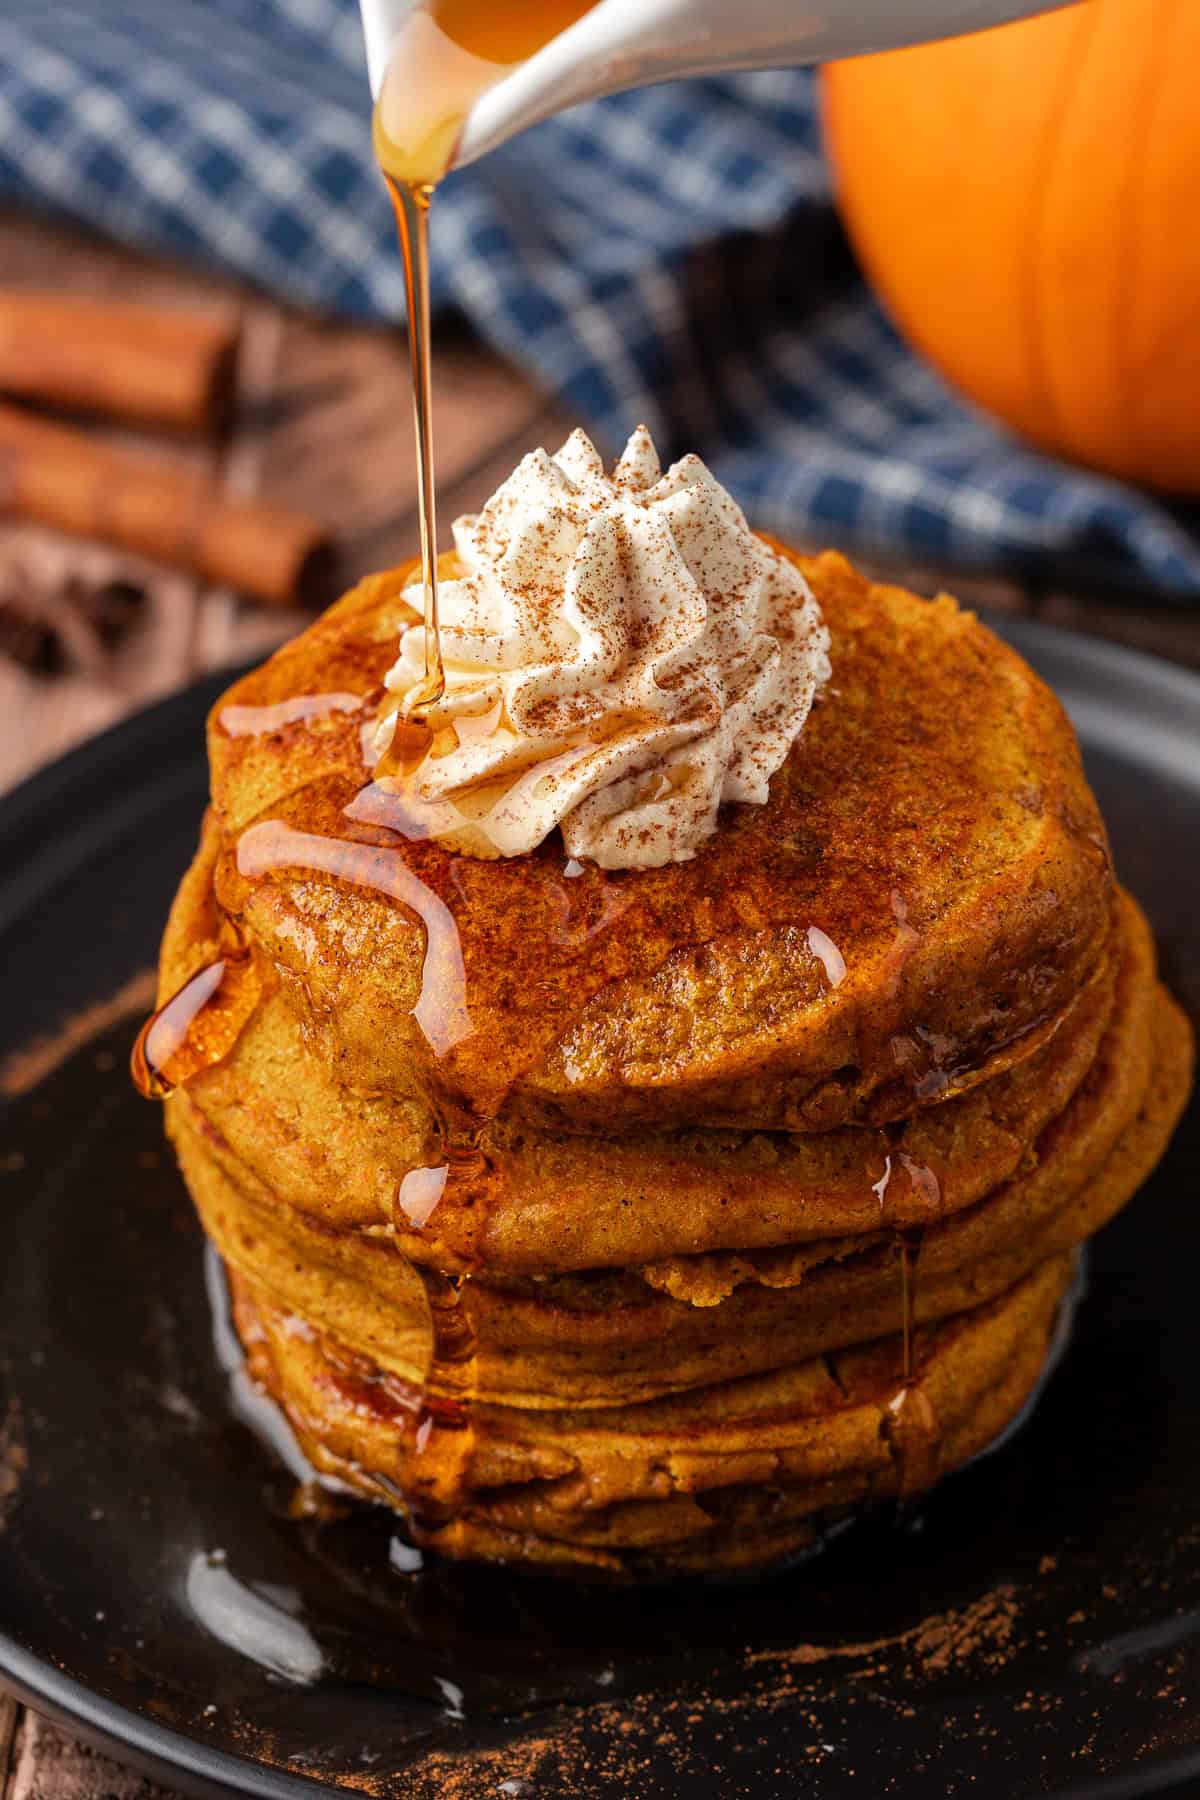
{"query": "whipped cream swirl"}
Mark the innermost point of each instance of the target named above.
(622, 655)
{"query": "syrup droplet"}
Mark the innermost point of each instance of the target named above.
(441, 1009)
(828, 955)
(198, 1026)
(903, 945)
(405, 1558)
(915, 1439)
(924, 1181)
(457, 1163)
(420, 1191)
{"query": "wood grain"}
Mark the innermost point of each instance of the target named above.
(322, 423)
(52, 1765)
(8, 1732)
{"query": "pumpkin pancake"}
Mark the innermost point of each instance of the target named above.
(932, 823)
(646, 1222)
(607, 1338)
(729, 1477)
(537, 1200)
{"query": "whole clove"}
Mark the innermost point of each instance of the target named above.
(110, 609)
(27, 638)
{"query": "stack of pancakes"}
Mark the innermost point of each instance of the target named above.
(652, 1221)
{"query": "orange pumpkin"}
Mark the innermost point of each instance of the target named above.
(1027, 202)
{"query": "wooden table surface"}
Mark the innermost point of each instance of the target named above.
(322, 422)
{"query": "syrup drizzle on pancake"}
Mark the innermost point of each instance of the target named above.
(923, 1180)
(434, 1428)
(910, 1423)
(915, 1439)
(200, 1024)
(473, 823)
(437, 1464)
(537, 941)
(906, 1306)
(441, 1010)
(260, 721)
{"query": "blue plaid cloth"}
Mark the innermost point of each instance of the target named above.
(670, 256)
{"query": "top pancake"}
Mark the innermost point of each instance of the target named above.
(933, 822)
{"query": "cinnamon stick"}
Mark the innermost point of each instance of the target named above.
(64, 478)
(153, 365)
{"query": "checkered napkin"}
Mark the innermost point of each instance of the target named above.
(669, 256)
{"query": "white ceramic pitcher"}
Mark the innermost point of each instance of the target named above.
(629, 43)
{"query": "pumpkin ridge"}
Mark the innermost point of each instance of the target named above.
(1133, 225)
(1024, 201)
(1126, 353)
(1068, 85)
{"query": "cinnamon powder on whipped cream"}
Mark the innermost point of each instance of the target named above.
(622, 656)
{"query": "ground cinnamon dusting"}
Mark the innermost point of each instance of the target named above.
(617, 1745)
(983, 1630)
(33, 1062)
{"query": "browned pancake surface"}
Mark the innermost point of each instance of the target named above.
(539, 1200)
(736, 1476)
(740, 1244)
(605, 1339)
(933, 821)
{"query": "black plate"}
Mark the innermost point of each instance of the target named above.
(1034, 1629)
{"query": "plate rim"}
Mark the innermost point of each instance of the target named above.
(168, 1754)
(1168, 693)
